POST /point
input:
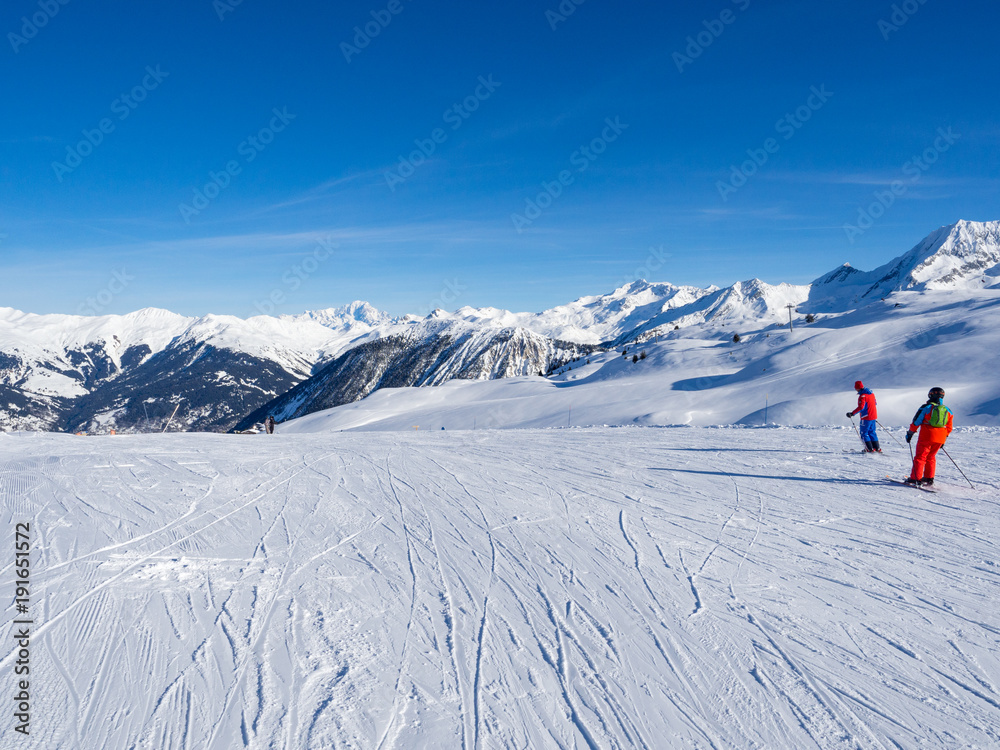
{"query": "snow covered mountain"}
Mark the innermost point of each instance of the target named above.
(745, 303)
(932, 317)
(965, 255)
(216, 372)
(74, 373)
(642, 309)
(591, 320)
(901, 347)
(422, 353)
(153, 368)
(349, 319)
(489, 344)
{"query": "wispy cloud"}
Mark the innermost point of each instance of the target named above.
(772, 213)
(324, 189)
(271, 244)
(873, 178)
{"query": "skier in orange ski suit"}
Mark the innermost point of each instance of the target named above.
(934, 420)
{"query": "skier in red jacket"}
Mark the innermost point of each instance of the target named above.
(934, 420)
(869, 415)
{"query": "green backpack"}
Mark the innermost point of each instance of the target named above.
(939, 416)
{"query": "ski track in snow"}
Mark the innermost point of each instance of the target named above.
(599, 588)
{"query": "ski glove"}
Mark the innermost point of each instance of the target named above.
(909, 435)
(850, 414)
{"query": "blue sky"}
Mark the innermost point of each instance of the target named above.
(744, 136)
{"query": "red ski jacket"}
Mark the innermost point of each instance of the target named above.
(866, 404)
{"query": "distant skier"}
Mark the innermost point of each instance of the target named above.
(269, 425)
(869, 415)
(934, 421)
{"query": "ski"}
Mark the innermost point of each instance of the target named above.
(914, 486)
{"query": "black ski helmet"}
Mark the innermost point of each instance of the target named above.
(936, 394)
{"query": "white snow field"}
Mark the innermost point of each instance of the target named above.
(575, 588)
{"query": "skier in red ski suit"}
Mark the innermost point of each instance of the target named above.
(934, 420)
(869, 417)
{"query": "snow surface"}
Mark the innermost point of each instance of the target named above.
(601, 588)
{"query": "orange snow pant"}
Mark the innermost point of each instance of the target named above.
(925, 460)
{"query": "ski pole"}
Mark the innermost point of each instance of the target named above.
(888, 433)
(859, 434)
(956, 466)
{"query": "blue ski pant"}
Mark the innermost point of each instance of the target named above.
(868, 430)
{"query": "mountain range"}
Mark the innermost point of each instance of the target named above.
(155, 370)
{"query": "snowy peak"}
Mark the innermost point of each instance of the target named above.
(755, 299)
(744, 303)
(642, 292)
(588, 320)
(962, 255)
(965, 255)
(610, 317)
(84, 372)
(838, 275)
(356, 315)
(31, 333)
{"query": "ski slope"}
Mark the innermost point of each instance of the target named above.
(591, 588)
